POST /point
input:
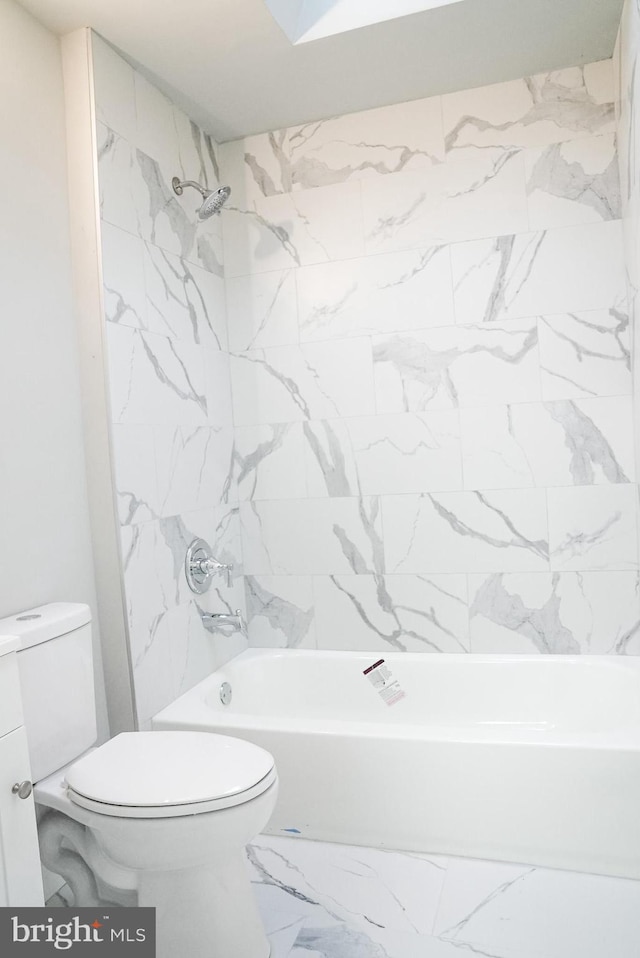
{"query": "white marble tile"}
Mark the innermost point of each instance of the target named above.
(280, 611)
(150, 583)
(197, 157)
(409, 452)
(125, 299)
(369, 889)
(562, 270)
(294, 229)
(463, 366)
(561, 612)
(120, 187)
(195, 652)
(155, 379)
(312, 537)
(218, 388)
(135, 472)
(184, 301)
(503, 531)
(585, 354)
(464, 198)
(404, 136)
(573, 182)
(194, 468)
(269, 461)
(593, 527)
(406, 613)
(152, 667)
(315, 380)
(580, 442)
(535, 111)
(262, 310)
(507, 910)
(156, 132)
(114, 93)
(376, 294)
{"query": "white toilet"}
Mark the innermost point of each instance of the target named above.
(163, 814)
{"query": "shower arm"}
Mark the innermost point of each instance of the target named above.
(178, 186)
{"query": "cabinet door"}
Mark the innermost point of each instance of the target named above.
(20, 874)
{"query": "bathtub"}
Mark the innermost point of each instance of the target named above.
(532, 759)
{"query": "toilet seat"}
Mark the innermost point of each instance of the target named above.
(167, 774)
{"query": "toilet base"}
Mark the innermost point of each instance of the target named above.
(205, 912)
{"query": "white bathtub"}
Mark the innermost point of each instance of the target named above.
(522, 758)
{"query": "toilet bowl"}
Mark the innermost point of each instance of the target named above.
(163, 815)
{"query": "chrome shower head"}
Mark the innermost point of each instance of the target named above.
(213, 201)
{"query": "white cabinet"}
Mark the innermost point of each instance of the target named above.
(20, 874)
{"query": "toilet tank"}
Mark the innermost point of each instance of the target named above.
(55, 665)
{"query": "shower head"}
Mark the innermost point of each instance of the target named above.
(213, 201)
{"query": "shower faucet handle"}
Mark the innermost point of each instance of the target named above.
(201, 565)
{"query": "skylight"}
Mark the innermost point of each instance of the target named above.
(304, 20)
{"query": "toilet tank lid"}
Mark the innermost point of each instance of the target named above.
(45, 622)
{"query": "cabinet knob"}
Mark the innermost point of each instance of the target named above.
(22, 789)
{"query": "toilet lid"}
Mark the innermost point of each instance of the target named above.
(142, 774)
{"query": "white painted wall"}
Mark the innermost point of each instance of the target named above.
(45, 543)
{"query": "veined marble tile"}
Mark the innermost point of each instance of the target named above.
(280, 611)
(151, 587)
(407, 613)
(593, 527)
(535, 111)
(559, 612)
(294, 229)
(462, 366)
(135, 471)
(262, 310)
(155, 379)
(405, 136)
(195, 468)
(114, 92)
(581, 442)
(155, 131)
(385, 293)
(184, 300)
(312, 536)
(515, 910)
(312, 381)
(198, 157)
(463, 198)
(269, 461)
(220, 527)
(218, 388)
(503, 531)
(152, 667)
(170, 221)
(573, 182)
(562, 270)
(125, 299)
(384, 454)
(368, 889)
(121, 189)
(585, 354)
(195, 652)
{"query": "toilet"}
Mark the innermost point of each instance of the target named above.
(160, 816)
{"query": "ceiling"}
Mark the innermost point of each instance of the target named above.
(231, 67)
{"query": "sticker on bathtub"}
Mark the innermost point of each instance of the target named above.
(382, 679)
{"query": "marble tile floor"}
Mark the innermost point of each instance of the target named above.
(323, 900)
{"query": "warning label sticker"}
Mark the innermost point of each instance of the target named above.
(382, 679)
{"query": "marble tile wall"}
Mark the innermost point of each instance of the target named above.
(430, 364)
(627, 80)
(168, 364)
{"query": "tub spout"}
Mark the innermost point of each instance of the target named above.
(211, 619)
